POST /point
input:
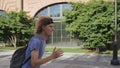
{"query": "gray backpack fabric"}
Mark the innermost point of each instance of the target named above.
(18, 58)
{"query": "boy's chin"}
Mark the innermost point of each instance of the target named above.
(50, 35)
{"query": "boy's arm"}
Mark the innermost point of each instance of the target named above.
(36, 61)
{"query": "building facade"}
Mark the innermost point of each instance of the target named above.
(36, 8)
(52, 8)
(30, 6)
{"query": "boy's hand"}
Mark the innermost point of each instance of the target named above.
(57, 53)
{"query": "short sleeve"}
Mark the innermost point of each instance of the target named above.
(35, 44)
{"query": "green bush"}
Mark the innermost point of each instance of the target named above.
(93, 23)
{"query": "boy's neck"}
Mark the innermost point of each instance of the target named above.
(44, 36)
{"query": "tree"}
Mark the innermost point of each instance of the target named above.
(92, 22)
(2, 35)
(16, 27)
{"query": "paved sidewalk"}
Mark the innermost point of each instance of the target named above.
(4, 53)
(69, 60)
(76, 60)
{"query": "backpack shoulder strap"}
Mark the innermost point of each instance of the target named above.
(26, 60)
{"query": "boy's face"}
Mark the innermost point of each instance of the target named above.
(48, 29)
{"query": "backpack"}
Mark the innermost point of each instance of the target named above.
(18, 58)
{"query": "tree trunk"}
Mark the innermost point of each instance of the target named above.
(97, 50)
(4, 42)
(13, 40)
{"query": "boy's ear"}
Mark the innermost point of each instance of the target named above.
(43, 27)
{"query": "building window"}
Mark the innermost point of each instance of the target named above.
(2, 12)
(56, 12)
(66, 7)
(43, 12)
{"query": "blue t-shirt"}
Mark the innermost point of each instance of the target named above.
(36, 43)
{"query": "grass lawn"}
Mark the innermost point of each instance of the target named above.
(73, 50)
(78, 50)
(8, 48)
(70, 50)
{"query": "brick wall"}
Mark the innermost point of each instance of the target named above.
(10, 5)
(30, 6)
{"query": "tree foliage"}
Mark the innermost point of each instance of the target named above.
(93, 23)
(16, 26)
